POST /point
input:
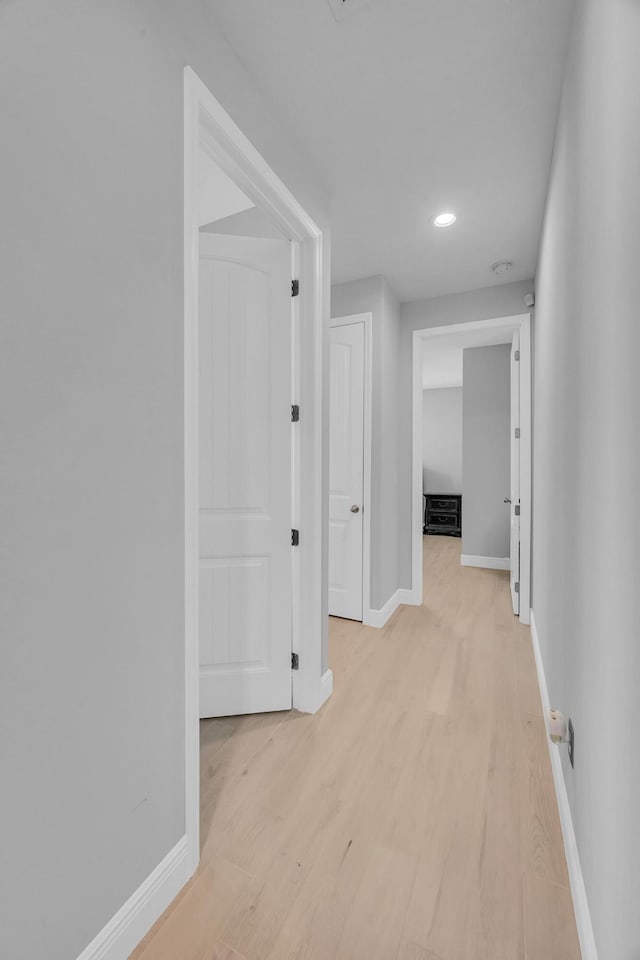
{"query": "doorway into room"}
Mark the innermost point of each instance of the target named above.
(472, 448)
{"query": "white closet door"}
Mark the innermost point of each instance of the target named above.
(515, 474)
(346, 450)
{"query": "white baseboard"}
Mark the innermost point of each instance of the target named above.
(576, 879)
(410, 597)
(378, 618)
(326, 689)
(491, 563)
(134, 919)
(309, 699)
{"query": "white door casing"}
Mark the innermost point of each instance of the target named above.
(245, 475)
(346, 469)
(514, 494)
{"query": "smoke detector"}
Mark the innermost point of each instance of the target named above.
(343, 8)
(501, 266)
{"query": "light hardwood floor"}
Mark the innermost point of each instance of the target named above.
(412, 818)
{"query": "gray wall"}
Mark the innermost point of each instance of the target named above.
(488, 303)
(374, 295)
(587, 450)
(91, 685)
(486, 459)
(442, 440)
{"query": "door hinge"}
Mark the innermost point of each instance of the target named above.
(295, 288)
(295, 413)
(517, 433)
(516, 355)
(516, 587)
(295, 661)
(516, 509)
(295, 538)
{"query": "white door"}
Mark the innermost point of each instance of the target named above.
(515, 473)
(346, 459)
(245, 475)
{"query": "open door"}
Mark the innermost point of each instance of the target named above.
(515, 474)
(245, 475)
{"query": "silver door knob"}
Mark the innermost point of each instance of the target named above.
(507, 499)
(355, 508)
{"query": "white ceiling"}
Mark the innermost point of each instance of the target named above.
(411, 107)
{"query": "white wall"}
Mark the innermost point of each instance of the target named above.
(488, 303)
(486, 454)
(91, 685)
(374, 295)
(587, 456)
(442, 440)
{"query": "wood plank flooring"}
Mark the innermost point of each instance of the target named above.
(412, 818)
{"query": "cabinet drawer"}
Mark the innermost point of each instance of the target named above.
(442, 519)
(441, 503)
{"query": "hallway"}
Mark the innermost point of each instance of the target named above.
(413, 818)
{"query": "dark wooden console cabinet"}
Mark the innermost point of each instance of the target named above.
(443, 514)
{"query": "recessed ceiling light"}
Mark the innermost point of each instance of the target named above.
(444, 220)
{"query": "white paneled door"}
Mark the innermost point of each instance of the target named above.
(346, 459)
(245, 475)
(515, 474)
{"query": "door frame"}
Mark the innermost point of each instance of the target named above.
(367, 320)
(501, 325)
(514, 467)
(207, 126)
